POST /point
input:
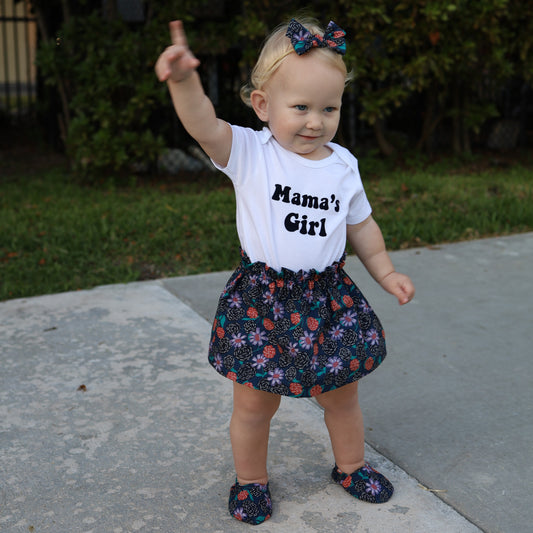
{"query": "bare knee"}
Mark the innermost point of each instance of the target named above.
(253, 406)
(342, 399)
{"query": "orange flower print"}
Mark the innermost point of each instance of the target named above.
(316, 390)
(312, 323)
(348, 301)
(252, 312)
(268, 324)
(354, 365)
(295, 318)
(369, 363)
(269, 351)
(296, 389)
(346, 482)
(220, 332)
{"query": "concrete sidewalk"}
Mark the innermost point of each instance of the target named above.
(112, 421)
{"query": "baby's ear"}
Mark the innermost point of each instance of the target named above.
(259, 102)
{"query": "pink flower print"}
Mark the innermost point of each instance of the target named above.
(334, 364)
(368, 469)
(364, 306)
(278, 310)
(239, 513)
(348, 318)
(238, 340)
(336, 333)
(373, 486)
(293, 349)
(259, 361)
(218, 362)
(372, 337)
(314, 362)
(235, 300)
(306, 341)
(268, 297)
(275, 376)
(257, 337)
(302, 35)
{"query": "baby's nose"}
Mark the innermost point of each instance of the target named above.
(314, 121)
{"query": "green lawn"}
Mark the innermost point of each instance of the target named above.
(57, 235)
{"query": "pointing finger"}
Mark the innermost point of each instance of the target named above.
(177, 34)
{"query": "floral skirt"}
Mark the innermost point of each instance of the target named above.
(294, 333)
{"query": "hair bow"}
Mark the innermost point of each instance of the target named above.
(303, 41)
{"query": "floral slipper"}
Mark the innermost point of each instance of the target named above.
(365, 484)
(250, 503)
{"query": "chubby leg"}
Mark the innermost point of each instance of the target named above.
(249, 429)
(345, 425)
(344, 421)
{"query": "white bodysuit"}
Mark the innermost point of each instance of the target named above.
(292, 211)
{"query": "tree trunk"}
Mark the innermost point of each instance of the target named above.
(431, 120)
(385, 146)
(66, 10)
(461, 133)
(110, 9)
(465, 135)
(64, 118)
(457, 116)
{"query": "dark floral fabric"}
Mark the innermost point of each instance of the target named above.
(294, 333)
(250, 503)
(366, 484)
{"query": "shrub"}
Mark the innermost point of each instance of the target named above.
(111, 91)
(452, 57)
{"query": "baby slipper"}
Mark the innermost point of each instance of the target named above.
(365, 484)
(250, 503)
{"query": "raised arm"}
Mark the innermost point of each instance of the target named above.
(367, 242)
(177, 66)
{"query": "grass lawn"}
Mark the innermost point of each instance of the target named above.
(57, 235)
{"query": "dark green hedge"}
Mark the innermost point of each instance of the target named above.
(452, 56)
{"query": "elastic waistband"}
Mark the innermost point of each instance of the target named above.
(258, 267)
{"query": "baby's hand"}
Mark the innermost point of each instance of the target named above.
(400, 286)
(177, 62)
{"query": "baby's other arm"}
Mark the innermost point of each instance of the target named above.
(367, 242)
(177, 66)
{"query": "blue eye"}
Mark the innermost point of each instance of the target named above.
(301, 107)
(329, 109)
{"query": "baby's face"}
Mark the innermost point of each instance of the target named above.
(302, 104)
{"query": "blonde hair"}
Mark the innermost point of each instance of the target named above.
(277, 47)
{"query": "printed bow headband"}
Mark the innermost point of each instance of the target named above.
(303, 41)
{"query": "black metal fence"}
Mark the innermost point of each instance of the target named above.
(18, 75)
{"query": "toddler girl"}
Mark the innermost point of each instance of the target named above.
(290, 321)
